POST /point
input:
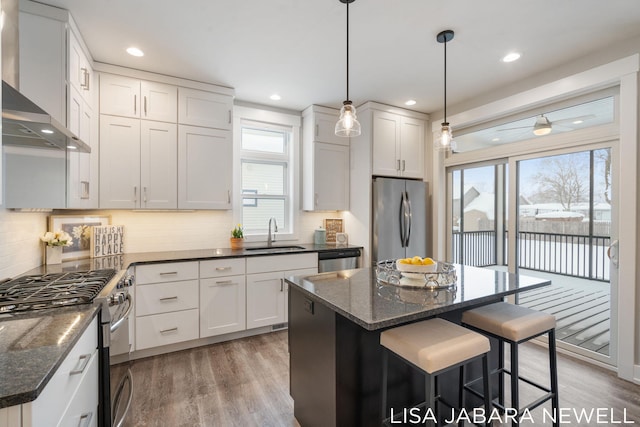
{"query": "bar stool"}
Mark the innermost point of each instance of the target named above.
(514, 324)
(434, 346)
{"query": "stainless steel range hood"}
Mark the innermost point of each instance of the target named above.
(23, 122)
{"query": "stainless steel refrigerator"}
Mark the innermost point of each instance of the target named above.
(399, 219)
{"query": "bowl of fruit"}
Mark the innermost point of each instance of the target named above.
(416, 267)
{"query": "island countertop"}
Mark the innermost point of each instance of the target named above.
(373, 305)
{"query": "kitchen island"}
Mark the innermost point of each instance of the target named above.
(335, 320)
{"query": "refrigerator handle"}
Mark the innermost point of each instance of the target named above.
(408, 216)
(402, 220)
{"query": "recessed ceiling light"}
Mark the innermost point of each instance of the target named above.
(72, 147)
(275, 97)
(513, 56)
(578, 122)
(410, 102)
(134, 51)
(47, 131)
(495, 140)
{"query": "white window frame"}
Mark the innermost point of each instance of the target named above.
(268, 120)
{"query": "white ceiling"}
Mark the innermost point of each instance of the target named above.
(297, 47)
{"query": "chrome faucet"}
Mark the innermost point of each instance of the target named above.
(270, 238)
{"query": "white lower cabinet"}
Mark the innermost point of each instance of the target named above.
(222, 305)
(265, 299)
(167, 328)
(267, 291)
(167, 304)
(71, 396)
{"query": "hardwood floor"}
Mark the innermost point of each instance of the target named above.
(246, 383)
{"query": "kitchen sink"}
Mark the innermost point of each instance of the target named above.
(275, 248)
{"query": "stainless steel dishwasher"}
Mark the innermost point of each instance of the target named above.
(339, 259)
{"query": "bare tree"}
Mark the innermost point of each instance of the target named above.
(562, 181)
(605, 156)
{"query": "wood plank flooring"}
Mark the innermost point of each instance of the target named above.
(246, 383)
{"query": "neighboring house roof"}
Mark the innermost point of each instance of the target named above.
(485, 203)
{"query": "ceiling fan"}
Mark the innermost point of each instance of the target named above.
(543, 125)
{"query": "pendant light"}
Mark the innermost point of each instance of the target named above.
(445, 139)
(348, 124)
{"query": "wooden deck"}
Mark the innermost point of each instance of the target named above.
(581, 307)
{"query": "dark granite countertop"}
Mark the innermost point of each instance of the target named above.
(31, 348)
(358, 296)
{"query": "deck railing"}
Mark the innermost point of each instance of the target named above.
(567, 254)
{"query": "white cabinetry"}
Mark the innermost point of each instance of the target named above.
(137, 163)
(166, 304)
(266, 288)
(129, 97)
(398, 145)
(204, 168)
(222, 297)
(56, 73)
(206, 109)
(325, 161)
(71, 396)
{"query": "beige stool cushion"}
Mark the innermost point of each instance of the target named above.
(434, 344)
(509, 321)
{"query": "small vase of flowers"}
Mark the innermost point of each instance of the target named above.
(54, 241)
(237, 237)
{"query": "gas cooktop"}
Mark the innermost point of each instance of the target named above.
(42, 291)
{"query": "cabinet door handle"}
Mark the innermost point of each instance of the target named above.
(85, 78)
(317, 130)
(223, 268)
(228, 196)
(85, 420)
(144, 192)
(83, 361)
(88, 81)
(135, 194)
(166, 331)
(168, 299)
(229, 116)
(403, 166)
(281, 285)
(135, 104)
(84, 190)
(168, 273)
(145, 105)
(316, 200)
(398, 164)
(225, 282)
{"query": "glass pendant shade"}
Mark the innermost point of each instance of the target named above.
(348, 124)
(444, 142)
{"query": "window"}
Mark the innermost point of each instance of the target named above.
(265, 182)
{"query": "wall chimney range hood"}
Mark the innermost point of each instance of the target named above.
(25, 124)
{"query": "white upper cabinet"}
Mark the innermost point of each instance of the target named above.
(398, 145)
(82, 176)
(325, 170)
(206, 109)
(81, 76)
(129, 97)
(204, 168)
(158, 165)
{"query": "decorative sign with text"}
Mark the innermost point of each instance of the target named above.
(107, 240)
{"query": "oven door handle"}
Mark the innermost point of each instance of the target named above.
(118, 323)
(128, 378)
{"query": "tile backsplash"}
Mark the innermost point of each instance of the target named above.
(144, 232)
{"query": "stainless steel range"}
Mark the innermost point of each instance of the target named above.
(107, 288)
(52, 290)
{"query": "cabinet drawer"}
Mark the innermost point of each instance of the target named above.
(53, 400)
(265, 264)
(167, 328)
(83, 408)
(222, 267)
(166, 297)
(166, 272)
